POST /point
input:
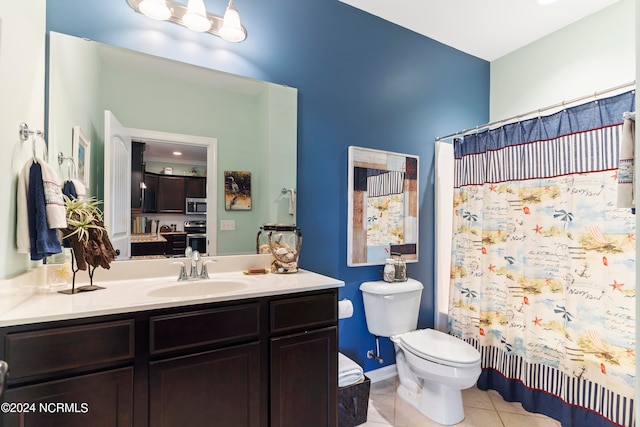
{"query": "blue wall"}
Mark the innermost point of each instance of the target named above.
(361, 80)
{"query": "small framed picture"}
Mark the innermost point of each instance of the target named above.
(81, 155)
(237, 191)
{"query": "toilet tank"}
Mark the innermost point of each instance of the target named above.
(391, 308)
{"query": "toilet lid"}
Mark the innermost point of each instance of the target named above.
(440, 348)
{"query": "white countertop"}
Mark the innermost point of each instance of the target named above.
(130, 290)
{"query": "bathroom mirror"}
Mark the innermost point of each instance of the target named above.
(254, 123)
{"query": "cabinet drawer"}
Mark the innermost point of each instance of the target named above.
(306, 312)
(60, 349)
(204, 327)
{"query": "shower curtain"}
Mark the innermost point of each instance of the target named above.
(543, 264)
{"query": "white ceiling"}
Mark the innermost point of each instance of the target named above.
(487, 29)
(164, 152)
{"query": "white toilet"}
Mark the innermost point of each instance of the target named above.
(433, 367)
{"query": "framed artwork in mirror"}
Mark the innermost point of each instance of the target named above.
(81, 155)
(382, 207)
(237, 191)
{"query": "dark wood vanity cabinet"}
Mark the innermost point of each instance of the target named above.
(216, 375)
(303, 368)
(270, 361)
(103, 399)
(75, 375)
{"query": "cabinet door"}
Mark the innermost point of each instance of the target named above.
(215, 388)
(170, 196)
(137, 174)
(304, 377)
(96, 400)
(196, 187)
(150, 194)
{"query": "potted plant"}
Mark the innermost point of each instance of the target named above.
(87, 237)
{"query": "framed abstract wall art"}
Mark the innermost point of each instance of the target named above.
(383, 206)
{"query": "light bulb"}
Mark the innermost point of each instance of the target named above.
(231, 29)
(196, 16)
(155, 9)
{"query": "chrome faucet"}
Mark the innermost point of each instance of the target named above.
(195, 257)
(204, 274)
(183, 270)
(193, 273)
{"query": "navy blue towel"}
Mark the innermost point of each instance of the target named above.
(69, 190)
(44, 240)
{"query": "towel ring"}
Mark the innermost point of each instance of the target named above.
(72, 171)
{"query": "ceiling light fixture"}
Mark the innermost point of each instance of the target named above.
(155, 9)
(194, 16)
(544, 2)
(177, 153)
(231, 29)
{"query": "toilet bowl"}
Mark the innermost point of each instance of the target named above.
(433, 367)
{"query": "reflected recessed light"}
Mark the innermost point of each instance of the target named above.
(177, 153)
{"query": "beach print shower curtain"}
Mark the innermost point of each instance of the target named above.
(543, 264)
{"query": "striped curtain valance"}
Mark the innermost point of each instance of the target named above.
(593, 115)
(588, 151)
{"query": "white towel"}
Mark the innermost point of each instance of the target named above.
(54, 203)
(81, 191)
(22, 213)
(349, 372)
(626, 165)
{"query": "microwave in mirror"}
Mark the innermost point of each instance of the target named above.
(196, 206)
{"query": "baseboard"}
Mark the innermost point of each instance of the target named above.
(382, 374)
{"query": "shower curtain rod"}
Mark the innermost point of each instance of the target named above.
(538, 111)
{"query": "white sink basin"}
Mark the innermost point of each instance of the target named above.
(199, 288)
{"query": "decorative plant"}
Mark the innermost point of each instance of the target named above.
(86, 234)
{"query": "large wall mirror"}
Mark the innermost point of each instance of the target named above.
(254, 124)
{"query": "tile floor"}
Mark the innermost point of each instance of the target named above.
(482, 409)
